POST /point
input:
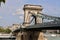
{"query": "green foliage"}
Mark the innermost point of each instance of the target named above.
(7, 30)
(2, 1)
(2, 30)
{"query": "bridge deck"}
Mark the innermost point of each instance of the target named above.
(54, 25)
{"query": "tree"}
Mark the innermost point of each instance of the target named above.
(7, 30)
(2, 30)
(2, 1)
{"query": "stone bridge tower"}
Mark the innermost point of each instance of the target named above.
(29, 10)
(30, 35)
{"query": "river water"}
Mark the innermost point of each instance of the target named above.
(53, 38)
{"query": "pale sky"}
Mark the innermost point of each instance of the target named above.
(12, 11)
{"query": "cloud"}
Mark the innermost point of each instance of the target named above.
(1, 17)
(19, 11)
(21, 17)
(13, 14)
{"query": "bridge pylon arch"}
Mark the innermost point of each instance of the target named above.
(29, 10)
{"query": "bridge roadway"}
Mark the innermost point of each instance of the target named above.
(53, 25)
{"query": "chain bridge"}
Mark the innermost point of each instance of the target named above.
(52, 25)
(55, 24)
(34, 32)
(44, 16)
